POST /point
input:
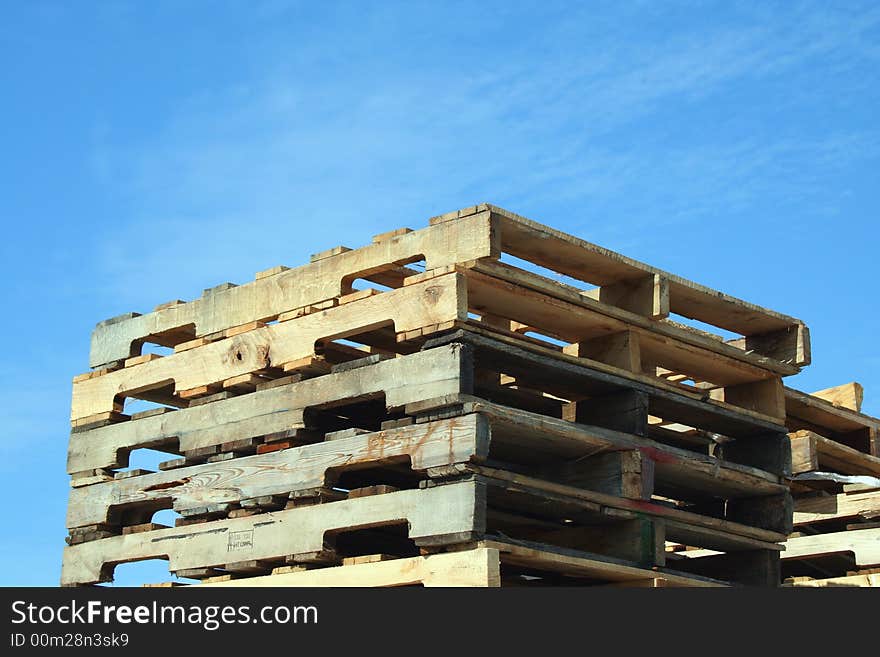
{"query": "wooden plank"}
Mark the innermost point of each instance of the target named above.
(481, 566)
(770, 452)
(272, 271)
(431, 374)
(516, 433)
(623, 474)
(819, 508)
(474, 235)
(648, 296)
(857, 430)
(138, 360)
(638, 540)
(573, 378)
(478, 567)
(847, 395)
(817, 453)
(617, 349)
(423, 446)
(804, 455)
(770, 511)
(267, 297)
(593, 264)
(568, 315)
(625, 411)
(391, 234)
(863, 543)
(766, 396)
(411, 307)
(573, 564)
(276, 534)
(403, 380)
(870, 580)
(513, 481)
(439, 373)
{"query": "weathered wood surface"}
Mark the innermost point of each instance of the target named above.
(264, 299)
(433, 374)
(843, 425)
(573, 378)
(683, 469)
(573, 563)
(431, 302)
(871, 580)
(435, 301)
(444, 510)
(424, 446)
(846, 395)
(863, 543)
(812, 452)
(522, 508)
(567, 314)
(402, 380)
(773, 334)
(483, 233)
(819, 508)
(481, 566)
(545, 445)
(681, 526)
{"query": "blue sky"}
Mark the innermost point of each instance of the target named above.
(150, 150)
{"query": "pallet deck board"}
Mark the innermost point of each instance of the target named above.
(821, 508)
(424, 307)
(267, 297)
(473, 438)
(481, 566)
(871, 580)
(812, 452)
(864, 544)
(846, 426)
(433, 374)
(272, 346)
(439, 515)
(444, 510)
(572, 377)
(480, 235)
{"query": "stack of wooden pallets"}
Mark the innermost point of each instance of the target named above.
(483, 401)
(836, 482)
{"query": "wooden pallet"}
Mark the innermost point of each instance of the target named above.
(490, 564)
(272, 409)
(479, 236)
(599, 460)
(435, 517)
(840, 423)
(814, 453)
(399, 320)
(434, 382)
(281, 290)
